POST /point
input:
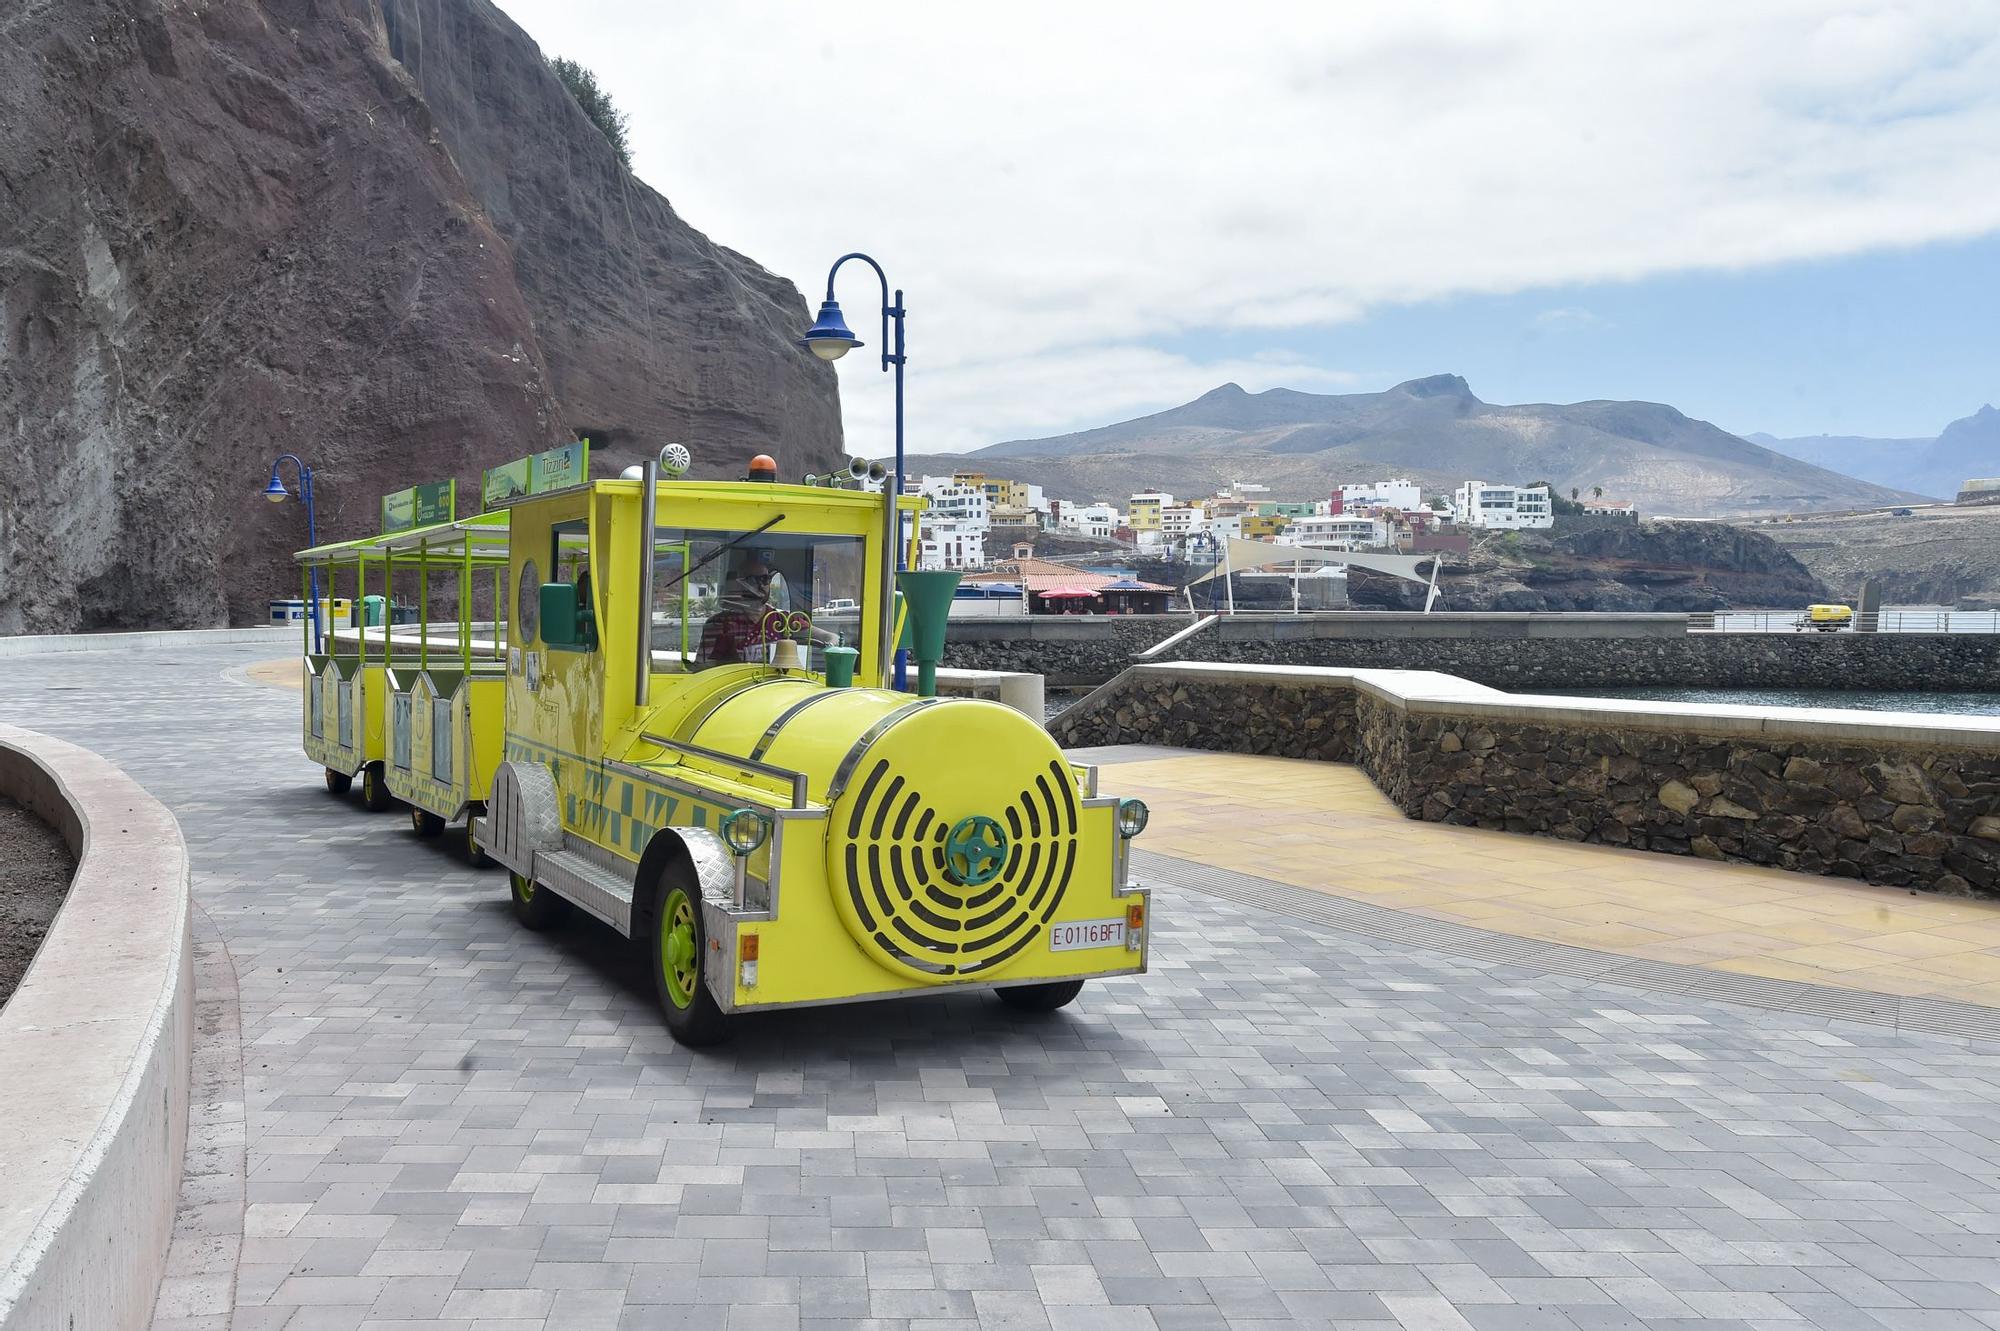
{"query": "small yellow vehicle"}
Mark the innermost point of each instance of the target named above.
(1826, 618)
(346, 660)
(446, 700)
(376, 696)
(689, 759)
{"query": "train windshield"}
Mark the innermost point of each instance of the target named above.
(725, 598)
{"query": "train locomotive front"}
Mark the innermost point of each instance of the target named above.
(771, 835)
(952, 841)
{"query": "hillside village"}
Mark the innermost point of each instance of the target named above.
(970, 516)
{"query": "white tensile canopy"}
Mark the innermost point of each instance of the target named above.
(1241, 556)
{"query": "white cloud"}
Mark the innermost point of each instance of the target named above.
(1061, 188)
(1568, 319)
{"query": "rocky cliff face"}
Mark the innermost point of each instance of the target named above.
(377, 234)
(1677, 567)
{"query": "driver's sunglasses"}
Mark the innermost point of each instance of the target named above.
(761, 579)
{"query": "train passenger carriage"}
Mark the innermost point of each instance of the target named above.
(702, 751)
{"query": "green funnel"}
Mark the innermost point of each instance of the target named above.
(928, 596)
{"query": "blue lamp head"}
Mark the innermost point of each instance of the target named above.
(276, 491)
(829, 338)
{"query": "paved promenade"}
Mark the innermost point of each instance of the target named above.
(447, 1122)
(1325, 826)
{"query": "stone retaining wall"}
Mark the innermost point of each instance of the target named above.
(1510, 651)
(1891, 798)
(94, 1054)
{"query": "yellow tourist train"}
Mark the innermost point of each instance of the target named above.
(654, 722)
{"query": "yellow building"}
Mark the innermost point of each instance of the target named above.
(1000, 492)
(1263, 526)
(1144, 510)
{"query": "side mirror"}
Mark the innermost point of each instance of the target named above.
(566, 621)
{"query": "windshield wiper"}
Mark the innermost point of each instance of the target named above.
(718, 552)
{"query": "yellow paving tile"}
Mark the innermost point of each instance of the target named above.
(289, 673)
(1329, 829)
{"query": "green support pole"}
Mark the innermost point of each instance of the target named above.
(465, 609)
(424, 604)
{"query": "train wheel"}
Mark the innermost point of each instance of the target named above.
(338, 782)
(425, 823)
(535, 906)
(678, 939)
(474, 856)
(1041, 997)
(375, 796)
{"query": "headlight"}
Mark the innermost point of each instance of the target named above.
(745, 829)
(1132, 817)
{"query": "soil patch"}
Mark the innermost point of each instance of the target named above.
(35, 869)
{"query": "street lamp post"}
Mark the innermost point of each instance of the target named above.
(829, 339)
(278, 494)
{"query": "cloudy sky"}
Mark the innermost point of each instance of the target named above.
(1776, 216)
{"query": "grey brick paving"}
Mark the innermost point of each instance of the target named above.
(450, 1123)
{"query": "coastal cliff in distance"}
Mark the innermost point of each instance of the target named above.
(376, 233)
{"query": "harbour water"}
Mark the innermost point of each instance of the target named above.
(1964, 704)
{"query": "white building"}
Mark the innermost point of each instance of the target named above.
(1402, 492)
(1179, 520)
(1483, 504)
(954, 501)
(1099, 520)
(1343, 531)
(952, 533)
(1610, 508)
(945, 545)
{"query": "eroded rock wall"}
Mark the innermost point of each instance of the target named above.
(231, 231)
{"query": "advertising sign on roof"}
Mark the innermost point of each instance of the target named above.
(419, 506)
(536, 474)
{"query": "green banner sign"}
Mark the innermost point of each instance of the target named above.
(420, 506)
(535, 474)
(503, 482)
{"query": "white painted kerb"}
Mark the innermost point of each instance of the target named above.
(42, 644)
(94, 1054)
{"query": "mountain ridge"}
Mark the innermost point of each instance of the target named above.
(1965, 448)
(1436, 429)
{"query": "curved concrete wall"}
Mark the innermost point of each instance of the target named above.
(1893, 797)
(94, 1054)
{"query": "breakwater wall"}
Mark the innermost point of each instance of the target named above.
(1501, 650)
(1887, 797)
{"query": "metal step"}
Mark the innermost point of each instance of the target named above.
(603, 892)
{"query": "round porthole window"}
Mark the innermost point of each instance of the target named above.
(528, 606)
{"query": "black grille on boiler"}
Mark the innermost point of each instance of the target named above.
(910, 908)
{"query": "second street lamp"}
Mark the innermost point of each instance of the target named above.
(278, 494)
(829, 339)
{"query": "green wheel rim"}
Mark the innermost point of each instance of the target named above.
(678, 962)
(524, 888)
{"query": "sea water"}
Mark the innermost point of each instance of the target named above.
(1867, 700)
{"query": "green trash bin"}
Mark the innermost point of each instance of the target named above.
(374, 611)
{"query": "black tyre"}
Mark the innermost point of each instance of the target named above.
(535, 906)
(674, 954)
(1041, 997)
(425, 823)
(474, 856)
(375, 796)
(339, 783)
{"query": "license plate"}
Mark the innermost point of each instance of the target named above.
(1078, 934)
